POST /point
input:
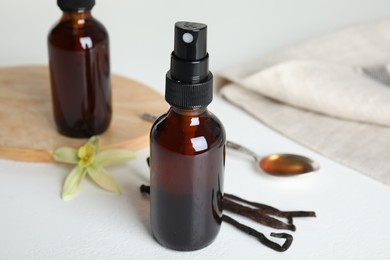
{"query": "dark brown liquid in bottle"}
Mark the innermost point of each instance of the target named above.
(80, 75)
(187, 165)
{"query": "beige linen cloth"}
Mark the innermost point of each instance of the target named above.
(331, 94)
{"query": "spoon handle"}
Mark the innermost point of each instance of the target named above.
(149, 117)
(242, 149)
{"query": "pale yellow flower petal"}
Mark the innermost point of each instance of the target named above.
(95, 141)
(66, 155)
(100, 176)
(72, 182)
(113, 156)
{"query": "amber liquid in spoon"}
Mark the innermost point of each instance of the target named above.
(278, 164)
(286, 165)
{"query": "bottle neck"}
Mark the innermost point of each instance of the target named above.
(76, 16)
(189, 112)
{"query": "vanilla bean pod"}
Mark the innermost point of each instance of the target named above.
(256, 215)
(250, 231)
(260, 236)
(145, 189)
(265, 209)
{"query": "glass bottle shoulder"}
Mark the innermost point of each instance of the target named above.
(78, 32)
(196, 132)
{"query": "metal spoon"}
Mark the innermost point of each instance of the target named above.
(279, 164)
(275, 164)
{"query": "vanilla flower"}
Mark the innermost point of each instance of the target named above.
(90, 161)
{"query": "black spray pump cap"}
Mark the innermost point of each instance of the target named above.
(74, 5)
(190, 41)
(189, 84)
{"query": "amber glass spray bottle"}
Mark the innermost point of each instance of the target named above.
(80, 71)
(187, 150)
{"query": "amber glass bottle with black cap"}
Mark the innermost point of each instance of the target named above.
(187, 150)
(80, 71)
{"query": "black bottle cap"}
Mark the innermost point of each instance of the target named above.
(189, 84)
(74, 5)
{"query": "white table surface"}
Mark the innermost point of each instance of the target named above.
(353, 210)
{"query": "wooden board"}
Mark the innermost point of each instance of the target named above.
(27, 128)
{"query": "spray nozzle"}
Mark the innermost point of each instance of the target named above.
(190, 41)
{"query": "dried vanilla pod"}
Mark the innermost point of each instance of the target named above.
(260, 213)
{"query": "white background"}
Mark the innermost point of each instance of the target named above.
(353, 210)
(142, 31)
